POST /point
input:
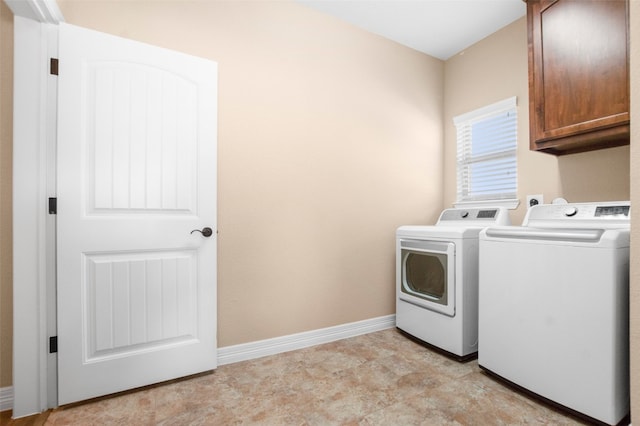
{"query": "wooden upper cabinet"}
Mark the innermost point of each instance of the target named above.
(578, 75)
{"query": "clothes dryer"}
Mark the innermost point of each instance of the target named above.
(437, 279)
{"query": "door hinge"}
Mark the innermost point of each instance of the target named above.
(53, 66)
(53, 205)
(53, 344)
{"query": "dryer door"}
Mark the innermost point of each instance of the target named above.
(428, 275)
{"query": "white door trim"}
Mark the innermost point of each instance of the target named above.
(33, 153)
(45, 11)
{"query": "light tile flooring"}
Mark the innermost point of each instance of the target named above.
(381, 378)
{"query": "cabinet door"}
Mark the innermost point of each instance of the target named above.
(578, 74)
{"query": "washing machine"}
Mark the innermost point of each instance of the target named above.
(437, 279)
(554, 306)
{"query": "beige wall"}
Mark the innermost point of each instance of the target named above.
(329, 138)
(6, 141)
(495, 69)
(635, 212)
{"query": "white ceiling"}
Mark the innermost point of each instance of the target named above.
(440, 28)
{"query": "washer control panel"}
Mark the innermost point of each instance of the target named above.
(579, 214)
(614, 211)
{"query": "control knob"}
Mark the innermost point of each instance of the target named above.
(570, 211)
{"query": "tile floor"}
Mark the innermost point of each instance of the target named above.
(381, 378)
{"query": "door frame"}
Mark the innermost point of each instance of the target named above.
(34, 143)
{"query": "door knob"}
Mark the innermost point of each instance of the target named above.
(206, 232)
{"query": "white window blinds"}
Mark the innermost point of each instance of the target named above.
(487, 141)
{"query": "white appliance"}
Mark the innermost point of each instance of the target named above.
(437, 279)
(554, 306)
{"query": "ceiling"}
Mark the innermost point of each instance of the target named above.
(440, 28)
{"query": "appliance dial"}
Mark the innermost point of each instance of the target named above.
(570, 211)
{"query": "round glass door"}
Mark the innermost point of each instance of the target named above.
(425, 276)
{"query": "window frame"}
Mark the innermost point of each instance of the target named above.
(475, 116)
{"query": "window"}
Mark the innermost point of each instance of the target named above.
(487, 167)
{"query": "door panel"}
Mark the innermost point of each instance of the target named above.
(143, 154)
(136, 302)
(136, 174)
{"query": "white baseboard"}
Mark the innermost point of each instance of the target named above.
(6, 398)
(258, 349)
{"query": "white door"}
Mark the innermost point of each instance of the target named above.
(136, 175)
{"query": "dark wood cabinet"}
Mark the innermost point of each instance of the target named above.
(578, 75)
